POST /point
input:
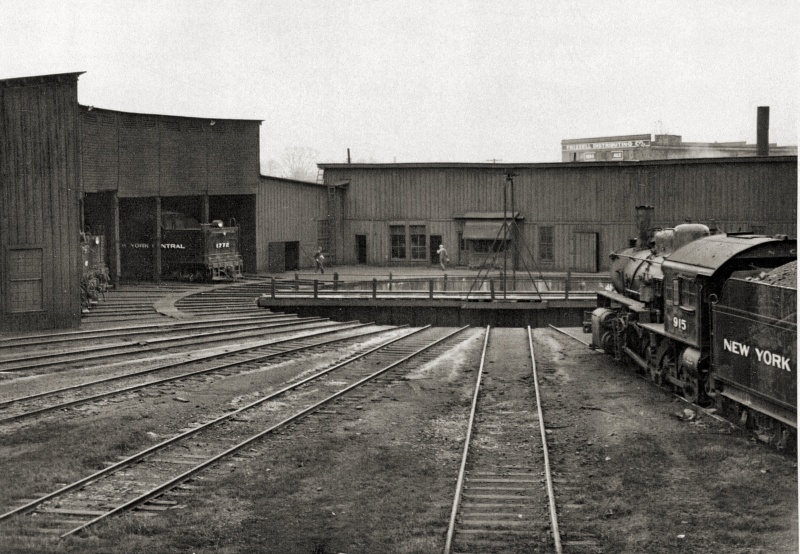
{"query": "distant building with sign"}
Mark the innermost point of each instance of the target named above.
(657, 147)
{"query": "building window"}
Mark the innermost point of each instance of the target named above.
(25, 280)
(397, 234)
(546, 244)
(418, 242)
(617, 155)
(589, 156)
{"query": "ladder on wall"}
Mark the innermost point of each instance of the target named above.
(326, 229)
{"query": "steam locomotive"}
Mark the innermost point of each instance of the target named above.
(710, 314)
(189, 250)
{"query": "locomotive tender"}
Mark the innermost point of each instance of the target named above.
(710, 314)
(189, 250)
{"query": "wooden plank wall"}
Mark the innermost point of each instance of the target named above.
(289, 211)
(737, 193)
(39, 182)
(141, 155)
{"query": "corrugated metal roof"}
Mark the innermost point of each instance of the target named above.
(708, 254)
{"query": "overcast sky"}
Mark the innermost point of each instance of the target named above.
(425, 81)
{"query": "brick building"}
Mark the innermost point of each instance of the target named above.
(658, 147)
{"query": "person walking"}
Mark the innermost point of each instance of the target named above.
(319, 259)
(443, 259)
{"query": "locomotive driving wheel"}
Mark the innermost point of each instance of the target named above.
(667, 366)
(696, 388)
(691, 387)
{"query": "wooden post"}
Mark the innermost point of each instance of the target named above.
(374, 288)
(117, 259)
(430, 288)
(316, 288)
(567, 284)
(272, 280)
(444, 283)
(335, 281)
(491, 289)
(296, 282)
(206, 209)
(390, 281)
(157, 245)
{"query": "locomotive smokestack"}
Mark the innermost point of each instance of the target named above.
(644, 222)
(763, 131)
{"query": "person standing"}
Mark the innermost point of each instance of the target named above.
(443, 259)
(319, 259)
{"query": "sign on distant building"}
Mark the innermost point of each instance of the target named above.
(607, 145)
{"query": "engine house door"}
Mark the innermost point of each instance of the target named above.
(276, 261)
(361, 249)
(585, 257)
(291, 257)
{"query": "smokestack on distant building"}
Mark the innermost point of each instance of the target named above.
(763, 131)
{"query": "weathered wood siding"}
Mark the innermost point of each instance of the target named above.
(288, 211)
(39, 217)
(141, 155)
(737, 193)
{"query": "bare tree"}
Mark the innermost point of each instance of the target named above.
(271, 167)
(299, 162)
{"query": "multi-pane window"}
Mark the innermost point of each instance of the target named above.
(546, 244)
(25, 280)
(398, 244)
(418, 242)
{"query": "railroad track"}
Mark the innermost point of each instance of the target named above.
(191, 336)
(504, 500)
(161, 376)
(44, 340)
(146, 479)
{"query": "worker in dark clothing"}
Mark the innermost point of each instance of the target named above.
(319, 259)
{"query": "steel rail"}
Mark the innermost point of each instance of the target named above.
(548, 476)
(139, 386)
(463, 469)
(130, 460)
(106, 332)
(172, 483)
(571, 336)
(288, 321)
(171, 365)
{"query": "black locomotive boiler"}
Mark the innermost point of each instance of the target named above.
(704, 313)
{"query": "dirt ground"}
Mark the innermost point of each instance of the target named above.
(633, 473)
